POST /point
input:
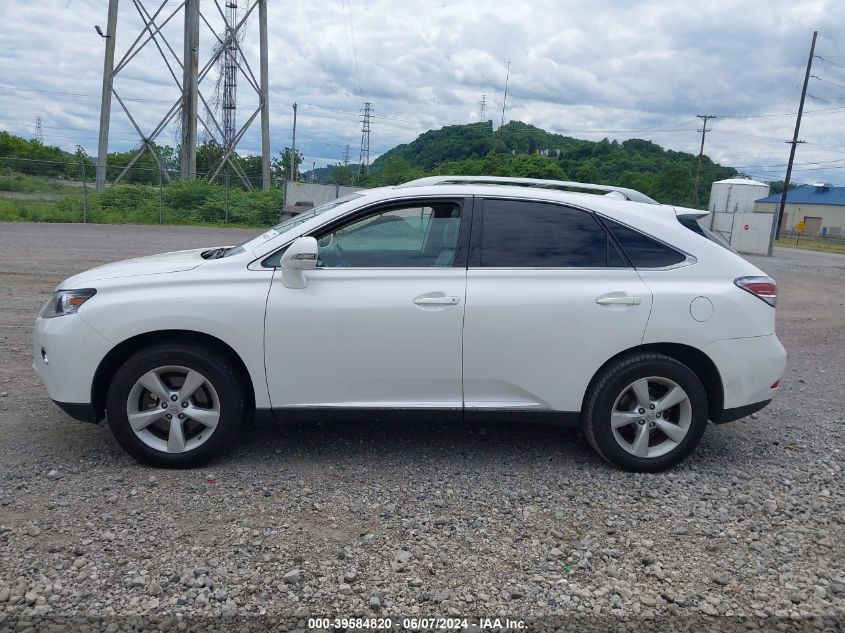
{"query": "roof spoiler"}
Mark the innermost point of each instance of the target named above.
(612, 191)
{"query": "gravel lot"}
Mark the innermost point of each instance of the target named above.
(387, 519)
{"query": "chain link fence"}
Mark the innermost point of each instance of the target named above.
(63, 191)
(828, 242)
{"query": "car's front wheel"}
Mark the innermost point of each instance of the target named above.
(175, 405)
(646, 412)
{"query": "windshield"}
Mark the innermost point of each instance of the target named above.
(290, 223)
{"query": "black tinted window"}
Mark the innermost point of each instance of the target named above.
(521, 234)
(643, 251)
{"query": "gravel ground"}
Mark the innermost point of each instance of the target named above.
(386, 519)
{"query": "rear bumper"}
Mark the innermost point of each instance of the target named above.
(748, 368)
(737, 413)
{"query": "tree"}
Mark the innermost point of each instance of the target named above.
(396, 171)
(588, 172)
(282, 164)
(674, 183)
(341, 174)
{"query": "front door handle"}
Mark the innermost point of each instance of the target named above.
(624, 301)
(428, 300)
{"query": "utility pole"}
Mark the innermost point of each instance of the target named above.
(705, 118)
(105, 102)
(364, 156)
(505, 100)
(190, 82)
(483, 109)
(39, 132)
(793, 143)
(313, 171)
(265, 93)
(293, 149)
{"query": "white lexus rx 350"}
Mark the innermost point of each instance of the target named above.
(472, 298)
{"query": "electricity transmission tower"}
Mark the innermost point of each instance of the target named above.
(346, 156)
(187, 74)
(230, 74)
(39, 132)
(483, 106)
(364, 156)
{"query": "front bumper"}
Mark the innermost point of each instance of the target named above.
(82, 411)
(66, 352)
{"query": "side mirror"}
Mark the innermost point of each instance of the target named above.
(300, 256)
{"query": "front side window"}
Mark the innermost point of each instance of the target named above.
(527, 234)
(417, 235)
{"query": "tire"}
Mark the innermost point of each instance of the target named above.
(631, 427)
(182, 434)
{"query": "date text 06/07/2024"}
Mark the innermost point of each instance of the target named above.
(416, 623)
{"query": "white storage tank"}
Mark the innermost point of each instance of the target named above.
(736, 195)
(732, 214)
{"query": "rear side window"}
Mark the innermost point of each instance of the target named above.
(643, 251)
(525, 234)
(693, 223)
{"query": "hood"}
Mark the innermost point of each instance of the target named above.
(176, 261)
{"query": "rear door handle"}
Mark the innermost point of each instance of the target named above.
(428, 300)
(624, 301)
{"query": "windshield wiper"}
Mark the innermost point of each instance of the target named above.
(215, 253)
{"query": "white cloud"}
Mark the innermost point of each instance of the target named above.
(598, 66)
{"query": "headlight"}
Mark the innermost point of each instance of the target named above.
(65, 302)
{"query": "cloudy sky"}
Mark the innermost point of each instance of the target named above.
(603, 68)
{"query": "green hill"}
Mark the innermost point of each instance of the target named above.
(522, 150)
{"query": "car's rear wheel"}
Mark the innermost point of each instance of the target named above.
(175, 405)
(646, 412)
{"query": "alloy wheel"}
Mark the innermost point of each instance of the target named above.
(173, 409)
(651, 417)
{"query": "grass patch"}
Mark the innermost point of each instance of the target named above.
(192, 203)
(23, 183)
(814, 244)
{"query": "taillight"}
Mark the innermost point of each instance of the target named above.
(763, 288)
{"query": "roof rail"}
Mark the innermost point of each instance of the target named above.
(629, 194)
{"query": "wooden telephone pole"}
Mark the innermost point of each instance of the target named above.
(705, 118)
(793, 144)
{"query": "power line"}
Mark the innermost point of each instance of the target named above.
(784, 114)
(824, 59)
(821, 162)
(762, 138)
(350, 43)
(79, 94)
(827, 81)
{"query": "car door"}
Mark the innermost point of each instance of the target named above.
(550, 298)
(379, 324)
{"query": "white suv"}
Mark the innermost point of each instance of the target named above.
(466, 297)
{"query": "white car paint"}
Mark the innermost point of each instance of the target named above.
(513, 338)
(543, 324)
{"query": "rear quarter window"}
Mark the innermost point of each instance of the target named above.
(643, 251)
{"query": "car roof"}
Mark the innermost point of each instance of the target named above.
(627, 211)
